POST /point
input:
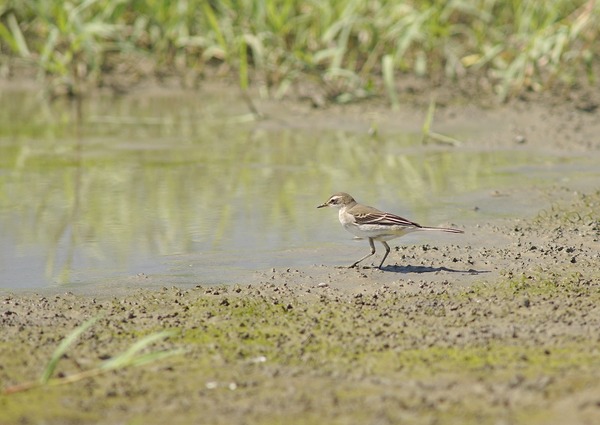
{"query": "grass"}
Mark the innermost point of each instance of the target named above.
(350, 49)
(132, 356)
(428, 135)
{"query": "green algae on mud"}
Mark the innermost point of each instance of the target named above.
(264, 352)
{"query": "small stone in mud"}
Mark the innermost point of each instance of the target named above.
(322, 285)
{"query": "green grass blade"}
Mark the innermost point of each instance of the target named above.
(131, 357)
(388, 80)
(63, 347)
(8, 38)
(214, 24)
(154, 357)
(19, 44)
(428, 120)
(243, 66)
(49, 47)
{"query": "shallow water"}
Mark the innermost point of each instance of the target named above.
(189, 189)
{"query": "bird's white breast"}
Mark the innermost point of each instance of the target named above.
(349, 223)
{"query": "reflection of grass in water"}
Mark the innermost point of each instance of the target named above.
(187, 183)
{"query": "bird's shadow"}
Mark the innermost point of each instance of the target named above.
(428, 269)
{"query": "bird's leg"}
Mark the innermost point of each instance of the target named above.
(387, 251)
(366, 256)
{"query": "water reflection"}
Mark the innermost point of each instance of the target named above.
(135, 182)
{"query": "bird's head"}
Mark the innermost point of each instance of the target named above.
(338, 200)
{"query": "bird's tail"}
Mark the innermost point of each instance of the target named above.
(443, 229)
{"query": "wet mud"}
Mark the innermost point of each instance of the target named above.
(498, 326)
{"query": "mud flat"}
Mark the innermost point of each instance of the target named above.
(499, 327)
(451, 334)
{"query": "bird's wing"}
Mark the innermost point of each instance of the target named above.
(384, 219)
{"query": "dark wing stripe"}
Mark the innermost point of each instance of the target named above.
(385, 219)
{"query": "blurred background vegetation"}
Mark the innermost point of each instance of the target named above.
(346, 49)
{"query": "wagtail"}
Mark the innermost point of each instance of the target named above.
(368, 222)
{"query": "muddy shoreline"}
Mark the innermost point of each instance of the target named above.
(451, 331)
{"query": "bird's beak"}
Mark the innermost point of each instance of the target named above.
(323, 205)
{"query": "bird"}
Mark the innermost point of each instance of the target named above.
(368, 222)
